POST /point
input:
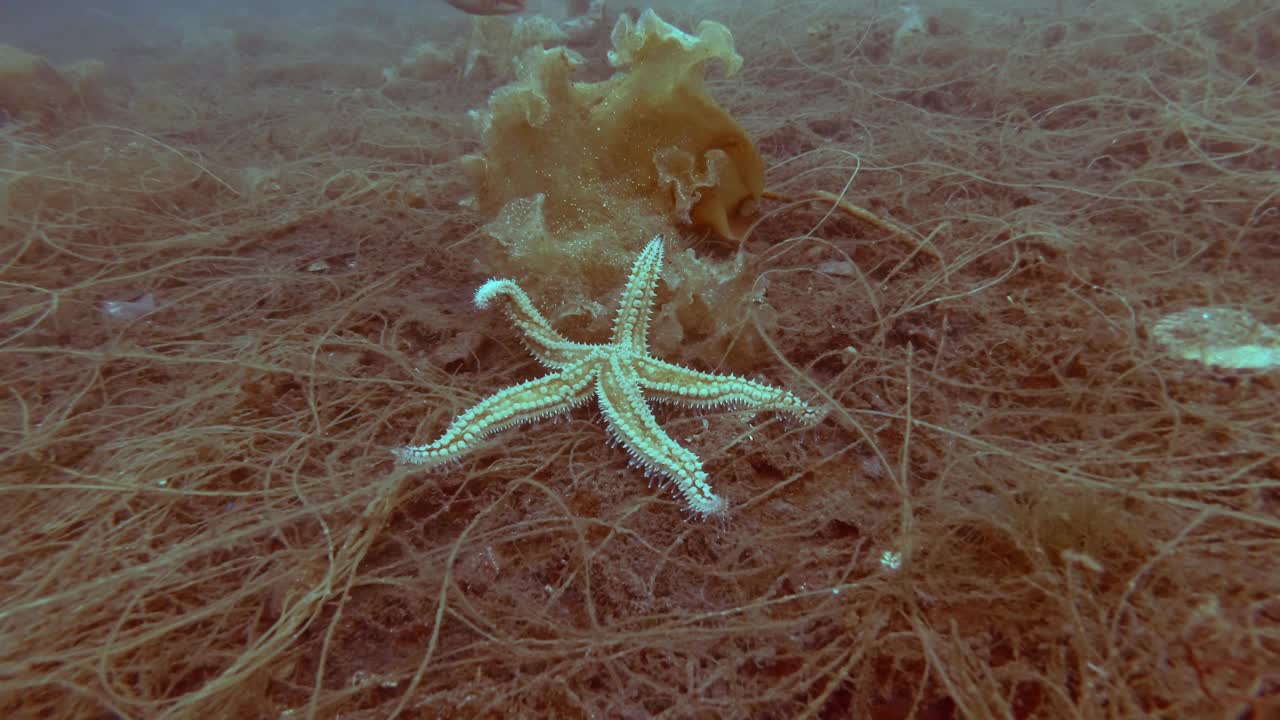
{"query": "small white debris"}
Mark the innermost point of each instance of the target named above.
(364, 678)
(1082, 559)
(891, 560)
(839, 268)
(129, 309)
(1219, 336)
(912, 24)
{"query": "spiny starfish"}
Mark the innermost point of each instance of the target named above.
(621, 374)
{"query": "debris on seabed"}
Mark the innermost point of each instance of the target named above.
(129, 309)
(1219, 336)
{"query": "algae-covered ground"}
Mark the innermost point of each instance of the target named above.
(237, 270)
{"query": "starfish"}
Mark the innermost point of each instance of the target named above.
(620, 374)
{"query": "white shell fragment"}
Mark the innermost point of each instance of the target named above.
(1219, 336)
(129, 309)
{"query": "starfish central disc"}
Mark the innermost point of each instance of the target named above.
(621, 374)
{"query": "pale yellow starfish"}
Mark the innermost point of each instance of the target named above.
(620, 374)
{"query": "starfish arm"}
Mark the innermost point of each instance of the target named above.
(667, 382)
(550, 347)
(632, 323)
(634, 425)
(517, 404)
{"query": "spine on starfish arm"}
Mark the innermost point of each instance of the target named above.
(486, 293)
(668, 382)
(550, 347)
(518, 305)
(526, 402)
